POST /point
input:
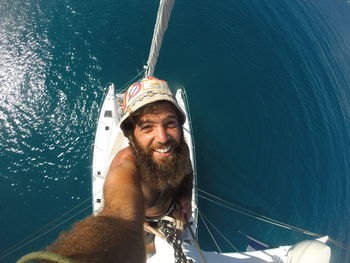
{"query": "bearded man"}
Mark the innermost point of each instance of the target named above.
(146, 181)
(157, 160)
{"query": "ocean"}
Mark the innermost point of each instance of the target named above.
(268, 84)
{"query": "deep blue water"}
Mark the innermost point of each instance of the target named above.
(268, 85)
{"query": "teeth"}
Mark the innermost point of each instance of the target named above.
(164, 150)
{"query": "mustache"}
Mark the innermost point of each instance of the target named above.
(168, 143)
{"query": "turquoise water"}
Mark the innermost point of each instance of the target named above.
(268, 85)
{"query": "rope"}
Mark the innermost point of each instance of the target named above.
(266, 219)
(153, 231)
(163, 16)
(46, 256)
(204, 260)
(171, 237)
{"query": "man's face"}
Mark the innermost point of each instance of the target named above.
(160, 150)
(158, 133)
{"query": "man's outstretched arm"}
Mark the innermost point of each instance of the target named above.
(116, 234)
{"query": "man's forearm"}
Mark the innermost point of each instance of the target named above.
(102, 239)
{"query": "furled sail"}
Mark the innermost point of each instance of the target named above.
(163, 17)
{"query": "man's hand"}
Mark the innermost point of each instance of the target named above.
(183, 210)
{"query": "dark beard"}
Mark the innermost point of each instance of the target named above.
(168, 172)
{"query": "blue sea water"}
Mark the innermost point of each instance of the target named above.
(269, 92)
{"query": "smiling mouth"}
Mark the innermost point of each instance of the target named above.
(164, 150)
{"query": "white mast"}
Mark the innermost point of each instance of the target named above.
(163, 17)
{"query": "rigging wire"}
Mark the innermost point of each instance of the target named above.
(42, 231)
(195, 241)
(220, 233)
(252, 214)
(210, 233)
(249, 215)
(128, 83)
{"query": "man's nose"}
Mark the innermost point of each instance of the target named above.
(162, 135)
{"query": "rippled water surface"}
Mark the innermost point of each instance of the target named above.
(268, 85)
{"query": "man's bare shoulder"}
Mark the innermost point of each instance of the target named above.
(123, 158)
(123, 169)
(122, 186)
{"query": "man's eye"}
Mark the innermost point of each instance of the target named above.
(172, 124)
(146, 127)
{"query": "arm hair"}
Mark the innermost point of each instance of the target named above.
(102, 239)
